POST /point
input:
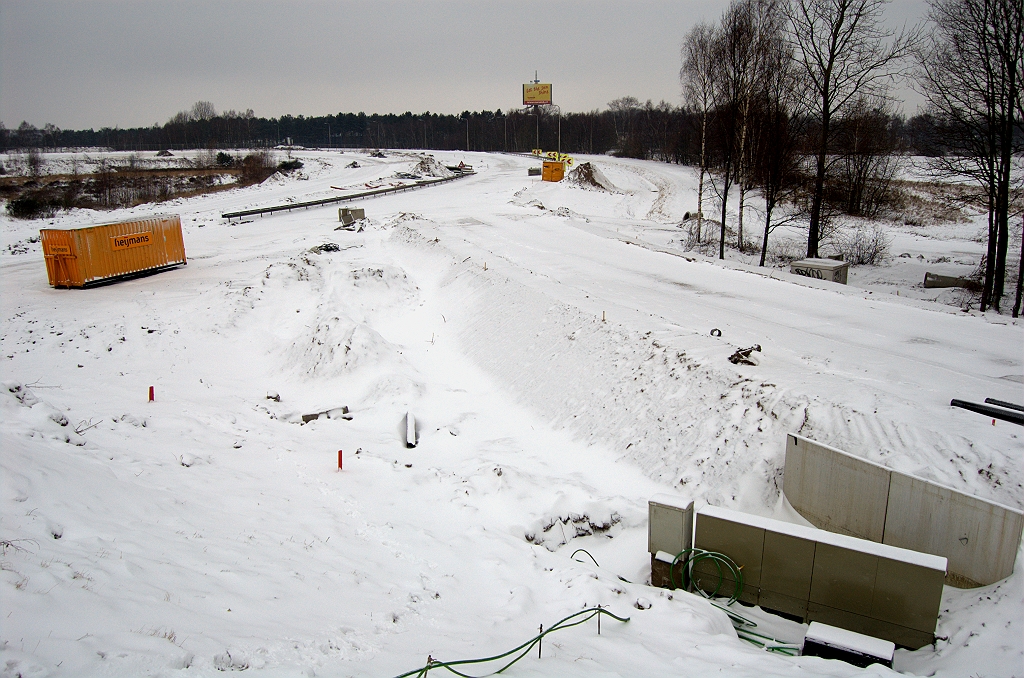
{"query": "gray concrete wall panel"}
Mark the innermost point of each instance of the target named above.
(907, 594)
(979, 538)
(843, 579)
(856, 584)
(743, 543)
(835, 491)
(841, 493)
(778, 602)
(787, 565)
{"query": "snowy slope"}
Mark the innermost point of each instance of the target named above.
(211, 530)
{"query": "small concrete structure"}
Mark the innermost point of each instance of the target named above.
(348, 215)
(803, 572)
(933, 280)
(822, 269)
(849, 495)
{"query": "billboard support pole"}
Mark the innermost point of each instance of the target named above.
(536, 95)
(559, 147)
(536, 109)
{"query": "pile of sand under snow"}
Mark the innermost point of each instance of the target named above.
(589, 177)
(429, 167)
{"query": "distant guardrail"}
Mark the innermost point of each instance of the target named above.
(260, 211)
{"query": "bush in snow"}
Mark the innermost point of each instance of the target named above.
(32, 206)
(862, 245)
(257, 166)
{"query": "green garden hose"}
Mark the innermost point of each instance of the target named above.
(690, 557)
(522, 650)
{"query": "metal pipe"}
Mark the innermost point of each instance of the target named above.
(988, 411)
(1002, 403)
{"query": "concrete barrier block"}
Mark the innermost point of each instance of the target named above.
(832, 642)
(843, 579)
(743, 543)
(787, 605)
(907, 594)
(822, 269)
(834, 490)
(980, 539)
(786, 566)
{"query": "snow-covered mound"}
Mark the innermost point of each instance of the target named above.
(430, 167)
(587, 175)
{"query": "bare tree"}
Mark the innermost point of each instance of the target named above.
(1020, 268)
(730, 56)
(180, 118)
(624, 111)
(763, 23)
(868, 156)
(50, 134)
(203, 110)
(970, 71)
(1020, 274)
(741, 54)
(775, 166)
(34, 162)
(696, 79)
(845, 53)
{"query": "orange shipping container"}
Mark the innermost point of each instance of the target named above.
(79, 257)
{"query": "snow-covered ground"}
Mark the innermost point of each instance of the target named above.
(554, 346)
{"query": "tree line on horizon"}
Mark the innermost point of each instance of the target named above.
(627, 128)
(789, 100)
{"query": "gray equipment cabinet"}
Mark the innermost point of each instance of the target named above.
(822, 269)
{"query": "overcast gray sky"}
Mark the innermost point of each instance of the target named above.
(126, 63)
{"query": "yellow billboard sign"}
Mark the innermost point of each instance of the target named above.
(536, 94)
